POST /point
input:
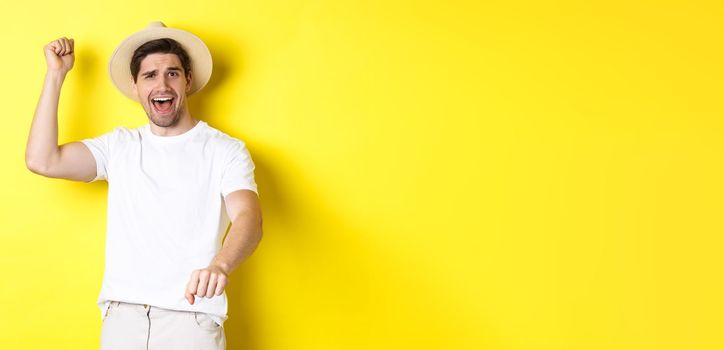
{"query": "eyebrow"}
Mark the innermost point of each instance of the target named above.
(174, 68)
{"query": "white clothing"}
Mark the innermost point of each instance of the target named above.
(166, 212)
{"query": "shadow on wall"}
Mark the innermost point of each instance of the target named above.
(341, 304)
(223, 65)
(336, 299)
(242, 326)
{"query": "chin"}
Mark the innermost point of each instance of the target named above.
(165, 122)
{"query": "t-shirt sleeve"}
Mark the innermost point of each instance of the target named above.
(100, 148)
(238, 170)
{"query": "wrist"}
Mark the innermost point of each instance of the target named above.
(224, 267)
(55, 74)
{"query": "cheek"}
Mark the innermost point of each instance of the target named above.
(144, 92)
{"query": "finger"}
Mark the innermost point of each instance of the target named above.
(203, 282)
(190, 298)
(55, 46)
(72, 45)
(193, 283)
(64, 46)
(212, 286)
(68, 47)
(220, 285)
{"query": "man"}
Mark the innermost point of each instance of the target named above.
(174, 185)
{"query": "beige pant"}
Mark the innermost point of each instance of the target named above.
(143, 327)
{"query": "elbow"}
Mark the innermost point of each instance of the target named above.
(36, 166)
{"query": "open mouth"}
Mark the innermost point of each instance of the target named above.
(163, 105)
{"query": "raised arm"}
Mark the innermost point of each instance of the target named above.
(43, 156)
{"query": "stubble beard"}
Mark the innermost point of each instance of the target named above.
(165, 121)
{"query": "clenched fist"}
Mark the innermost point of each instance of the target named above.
(59, 55)
(206, 282)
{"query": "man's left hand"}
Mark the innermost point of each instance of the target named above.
(206, 283)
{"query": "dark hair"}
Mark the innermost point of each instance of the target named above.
(164, 45)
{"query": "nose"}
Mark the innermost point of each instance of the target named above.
(164, 82)
(161, 83)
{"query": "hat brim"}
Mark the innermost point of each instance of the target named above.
(119, 67)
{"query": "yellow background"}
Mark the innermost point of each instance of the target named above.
(433, 175)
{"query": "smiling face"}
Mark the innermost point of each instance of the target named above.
(161, 87)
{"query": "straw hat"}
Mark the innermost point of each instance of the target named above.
(120, 64)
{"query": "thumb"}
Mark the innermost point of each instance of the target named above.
(190, 298)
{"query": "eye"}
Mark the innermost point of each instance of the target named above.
(173, 74)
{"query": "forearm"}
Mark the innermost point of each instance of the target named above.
(241, 241)
(43, 139)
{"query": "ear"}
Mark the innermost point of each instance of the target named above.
(189, 79)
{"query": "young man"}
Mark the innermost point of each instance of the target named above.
(174, 185)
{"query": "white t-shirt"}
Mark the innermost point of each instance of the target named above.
(166, 211)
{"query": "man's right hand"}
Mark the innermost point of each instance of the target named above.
(59, 55)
